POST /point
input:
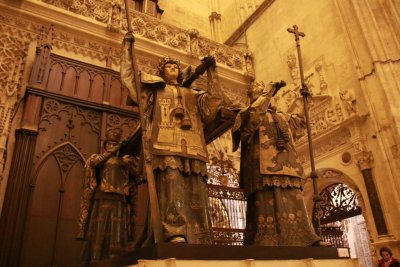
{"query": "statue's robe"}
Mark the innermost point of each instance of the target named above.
(179, 159)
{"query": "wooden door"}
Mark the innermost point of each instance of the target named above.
(52, 219)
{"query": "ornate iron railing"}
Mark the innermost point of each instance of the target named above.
(338, 203)
(228, 214)
(333, 235)
(228, 218)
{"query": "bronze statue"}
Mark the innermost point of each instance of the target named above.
(106, 219)
(175, 113)
(271, 174)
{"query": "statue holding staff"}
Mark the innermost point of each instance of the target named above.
(175, 113)
(106, 220)
(271, 173)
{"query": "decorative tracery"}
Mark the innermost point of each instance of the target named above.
(222, 172)
(338, 202)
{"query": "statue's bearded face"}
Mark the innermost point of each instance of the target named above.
(171, 72)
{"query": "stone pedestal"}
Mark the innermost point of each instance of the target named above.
(171, 255)
(248, 263)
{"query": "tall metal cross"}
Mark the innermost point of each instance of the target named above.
(306, 93)
(295, 31)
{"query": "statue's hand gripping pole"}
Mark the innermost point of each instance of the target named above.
(206, 63)
(154, 207)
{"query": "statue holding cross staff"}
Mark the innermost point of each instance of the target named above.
(271, 173)
(172, 114)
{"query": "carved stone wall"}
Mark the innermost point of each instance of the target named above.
(188, 15)
(376, 56)
(145, 26)
(350, 70)
(378, 61)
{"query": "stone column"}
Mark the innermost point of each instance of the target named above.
(365, 161)
(373, 33)
(215, 24)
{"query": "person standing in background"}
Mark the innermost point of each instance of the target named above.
(387, 258)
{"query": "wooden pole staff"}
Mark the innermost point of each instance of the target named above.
(154, 207)
(306, 95)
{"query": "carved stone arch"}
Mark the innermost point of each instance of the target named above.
(330, 176)
(336, 183)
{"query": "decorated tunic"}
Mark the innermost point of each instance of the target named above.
(268, 155)
(168, 137)
(115, 176)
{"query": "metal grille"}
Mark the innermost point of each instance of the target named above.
(333, 235)
(338, 202)
(228, 214)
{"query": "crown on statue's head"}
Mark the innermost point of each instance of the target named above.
(114, 135)
(166, 60)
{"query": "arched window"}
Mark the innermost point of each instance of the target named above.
(149, 7)
(338, 202)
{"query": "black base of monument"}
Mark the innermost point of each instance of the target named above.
(219, 252)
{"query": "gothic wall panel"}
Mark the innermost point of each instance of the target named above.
(96, 92)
